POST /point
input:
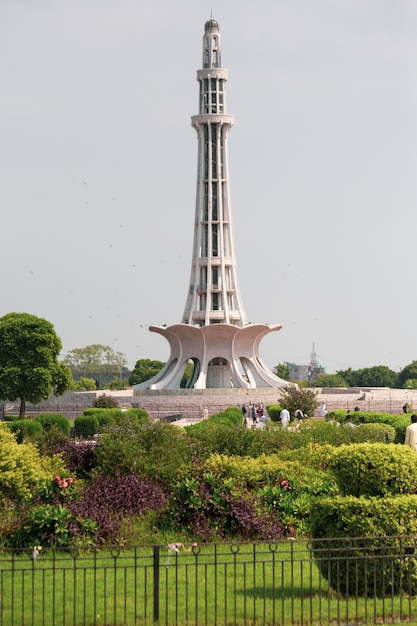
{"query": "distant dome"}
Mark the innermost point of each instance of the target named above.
(211, 25)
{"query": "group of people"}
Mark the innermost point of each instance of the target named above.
(254, 414)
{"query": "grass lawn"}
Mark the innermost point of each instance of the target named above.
(262, 583)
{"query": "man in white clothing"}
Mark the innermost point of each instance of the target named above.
(285, 418)
(411, 433)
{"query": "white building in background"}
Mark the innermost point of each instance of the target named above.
(213, 334)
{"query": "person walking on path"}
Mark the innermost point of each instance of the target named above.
(411, 433)
(285, 418)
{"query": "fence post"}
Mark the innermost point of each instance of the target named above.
(156, 583)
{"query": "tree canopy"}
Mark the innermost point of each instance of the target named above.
(94, 359)
(144, 370)
(407, 378)
(377, 376)
(283, 371)
(328, 380)
(29, 366)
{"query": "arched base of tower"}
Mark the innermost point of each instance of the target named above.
(224, 357)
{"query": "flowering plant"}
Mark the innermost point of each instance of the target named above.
(64, 483)
(58, 489)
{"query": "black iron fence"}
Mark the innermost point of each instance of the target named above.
(341, 581)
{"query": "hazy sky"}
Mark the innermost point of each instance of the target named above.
(98, 169)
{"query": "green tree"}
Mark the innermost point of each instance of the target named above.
(408, 373)
(84, 384)
(283, 371)
(378, 376)
(95, 358)
(29, 366)
(144, 370)
(328, 380)
(293, 398)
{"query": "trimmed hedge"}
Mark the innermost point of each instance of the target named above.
(399, 422)
(373, 433)
(231, 417)
(86, 426)
(274, 411)
(24, 429)
(383, 561)
(48, 420)
(374, 469)
(107, 416)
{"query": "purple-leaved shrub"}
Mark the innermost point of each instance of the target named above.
(205, 506)
(108, 500)
(78, 456)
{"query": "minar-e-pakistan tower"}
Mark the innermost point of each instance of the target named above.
(213, 333)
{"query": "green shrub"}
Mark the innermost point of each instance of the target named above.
(105, 402)
(214, 439)
(399, 422)
(231, 418)
(281, 488)
(49, 420)
(274, 412)
(24, 429)
(372, 433)
(208, 507)
(86, 426)
(251, 473)
(365, 564)
(154, 449)
(291, 497)
(49, 524)
(374, 469)
(294, 397)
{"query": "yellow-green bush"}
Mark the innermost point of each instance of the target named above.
(374, 469)
(251, 472)
(22, 468)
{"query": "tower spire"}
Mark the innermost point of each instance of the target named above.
(314, 357)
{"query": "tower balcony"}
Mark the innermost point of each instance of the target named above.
(212, 118)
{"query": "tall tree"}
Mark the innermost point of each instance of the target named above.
(95, 358)
(29, 366)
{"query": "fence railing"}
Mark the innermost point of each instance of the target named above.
(341, 581)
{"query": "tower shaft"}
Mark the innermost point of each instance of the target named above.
(213, 294)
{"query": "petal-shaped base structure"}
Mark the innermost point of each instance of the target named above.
(224, 356)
